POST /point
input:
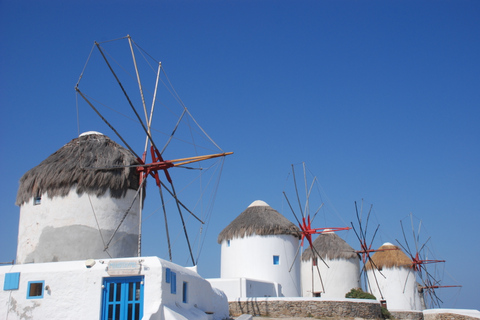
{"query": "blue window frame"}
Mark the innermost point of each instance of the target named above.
(173, 283)
(11, 281)
(228, 243)
(122, 298)
(35, 289)
(184, 292)
(276, 260)
(37, 201)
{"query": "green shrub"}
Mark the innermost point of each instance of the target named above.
(357, 293)
(385, 313)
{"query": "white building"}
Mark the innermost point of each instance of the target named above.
(336, 275)
(398, 286)
(258, 255)
(131, 288)
(77, 246)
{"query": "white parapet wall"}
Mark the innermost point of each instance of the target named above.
(65, 290)
(434, 314)
(236, 288)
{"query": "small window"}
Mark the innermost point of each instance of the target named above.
(276, 260)
(317, 294)
(35, 289)
(173, 283)
(228, 243)
(314, 262)
(168, 275)
(37, 201)
(184, 292)
(11, 281)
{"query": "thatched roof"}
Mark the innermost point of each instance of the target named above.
(260, 219)
(73, 165)
(390, 256)
(330, 246)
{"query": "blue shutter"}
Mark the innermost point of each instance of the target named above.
(173, 283)
(184, 293)
(12, 280)
(167, 275)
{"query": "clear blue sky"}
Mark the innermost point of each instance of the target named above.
(380, 99)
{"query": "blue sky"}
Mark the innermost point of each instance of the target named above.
(379, 98)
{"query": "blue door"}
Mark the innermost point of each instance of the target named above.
(122, 298)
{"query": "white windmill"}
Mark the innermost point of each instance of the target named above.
(329, 268)
(142, 82)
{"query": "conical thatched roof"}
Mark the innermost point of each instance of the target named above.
(260, 219)
(331, 246)
(73, 165)
(390, 257)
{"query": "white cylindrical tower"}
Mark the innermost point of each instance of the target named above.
(261, 244)
(73, 201)
(337, 276)
(398, 285)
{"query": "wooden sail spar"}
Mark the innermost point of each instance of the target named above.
(157, 162)
(160, 165)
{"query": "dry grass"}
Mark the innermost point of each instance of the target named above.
(331, 246)
(389, 256)
(259, 220)
(74, 165)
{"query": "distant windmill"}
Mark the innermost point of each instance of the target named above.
(305, 221)
(366, 248)
(419, 255)
(395, 292)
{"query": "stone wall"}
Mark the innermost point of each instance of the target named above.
(448, 316)
(316, 308)
(407, 315)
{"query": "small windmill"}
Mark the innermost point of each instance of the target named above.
(108, 78)
(366, 248)
(305, 220)
(418, 253)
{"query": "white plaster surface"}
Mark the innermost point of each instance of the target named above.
(258, 203)
(90, 132)
(77, 211)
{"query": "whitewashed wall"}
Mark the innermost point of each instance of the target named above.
(399, 288)
(252, 257)
(338, 278)
(76, 290)
(245, 288)
(66, 228)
